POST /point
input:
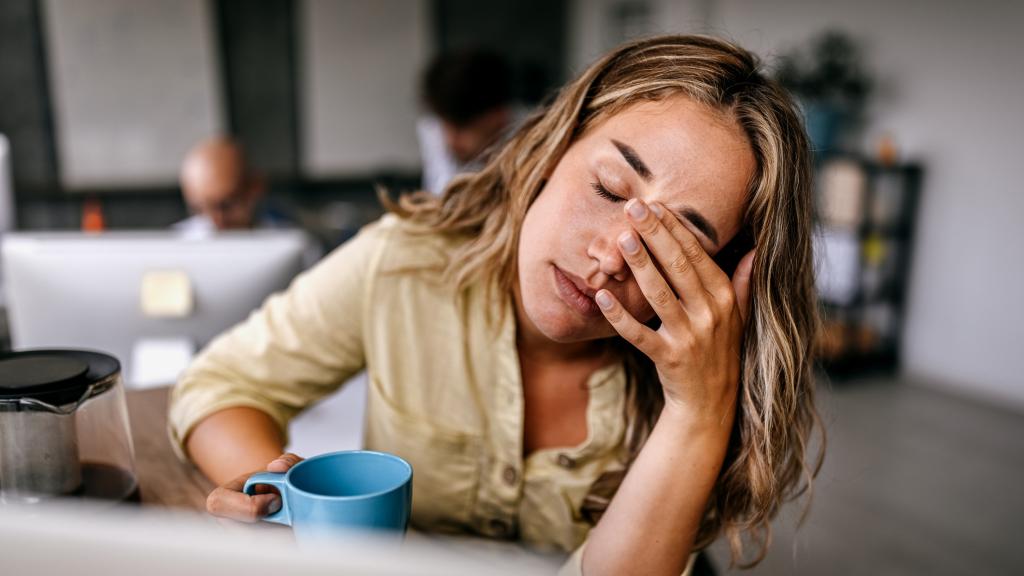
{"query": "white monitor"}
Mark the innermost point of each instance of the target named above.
(141, 295)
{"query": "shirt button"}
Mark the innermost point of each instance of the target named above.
(510, 475)
(565, 461)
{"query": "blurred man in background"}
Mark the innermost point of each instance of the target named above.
(220, 189)
(468, 94)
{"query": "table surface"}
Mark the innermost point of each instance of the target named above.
(167, 482)
(164, 480)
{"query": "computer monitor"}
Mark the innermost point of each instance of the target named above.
(6, 205)
(6, 187)
(119, 292)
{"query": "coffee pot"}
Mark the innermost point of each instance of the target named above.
(64, 427)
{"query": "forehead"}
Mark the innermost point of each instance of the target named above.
(696, 154)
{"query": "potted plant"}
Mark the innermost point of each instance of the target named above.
(828, 79)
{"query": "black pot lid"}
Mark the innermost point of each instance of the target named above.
(53, 376)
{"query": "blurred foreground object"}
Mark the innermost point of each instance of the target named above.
(156, 542)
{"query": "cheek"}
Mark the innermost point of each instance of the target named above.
(634, 301)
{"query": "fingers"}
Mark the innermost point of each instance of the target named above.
(741, 284)
(283, 463)
(671, 253)
(653, 285)
(228, 501)
(711, 276)
(640, 336)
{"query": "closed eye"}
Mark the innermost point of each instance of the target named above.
(603, 192)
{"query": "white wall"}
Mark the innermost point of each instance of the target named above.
(134, 85)
(951, 83)
(593, 29)
(951, 79)
(360, 66)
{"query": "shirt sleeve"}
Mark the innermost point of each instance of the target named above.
(574, 565)
(300, 346)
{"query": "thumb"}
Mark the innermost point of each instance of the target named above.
(741, 284)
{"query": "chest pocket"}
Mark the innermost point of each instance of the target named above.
(445, 464)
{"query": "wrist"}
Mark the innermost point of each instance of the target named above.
(691, 420)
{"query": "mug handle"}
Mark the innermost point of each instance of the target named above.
(275, 479)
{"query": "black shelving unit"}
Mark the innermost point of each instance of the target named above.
(865, 214)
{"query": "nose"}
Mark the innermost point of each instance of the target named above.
(605, 251)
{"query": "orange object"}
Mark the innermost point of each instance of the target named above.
(92, 216)
(887, 151)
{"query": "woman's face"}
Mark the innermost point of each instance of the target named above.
(691, 159)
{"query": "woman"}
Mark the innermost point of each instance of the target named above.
(554, 344)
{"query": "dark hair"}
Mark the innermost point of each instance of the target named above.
(462, 85)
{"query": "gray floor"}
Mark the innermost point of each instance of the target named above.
(915, 481)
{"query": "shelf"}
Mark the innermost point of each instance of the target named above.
(865, 215)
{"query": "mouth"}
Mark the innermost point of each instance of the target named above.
(577, 297)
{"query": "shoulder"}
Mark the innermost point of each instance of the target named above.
(410, 247)
(391, 245)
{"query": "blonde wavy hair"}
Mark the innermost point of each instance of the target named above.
(769, 459)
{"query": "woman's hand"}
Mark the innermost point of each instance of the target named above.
(228, 500)
(697, 347)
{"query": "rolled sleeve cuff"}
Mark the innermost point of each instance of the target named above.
(185, 413)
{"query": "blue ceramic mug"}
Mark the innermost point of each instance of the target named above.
(355, 490)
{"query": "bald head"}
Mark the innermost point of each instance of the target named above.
(217, 183)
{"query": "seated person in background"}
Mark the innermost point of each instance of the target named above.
(224, 193)
(469, 97)
(220, 189)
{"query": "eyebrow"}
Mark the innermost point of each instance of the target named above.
(699, 222)
(633, 159)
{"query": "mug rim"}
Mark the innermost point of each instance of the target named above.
(407, 468)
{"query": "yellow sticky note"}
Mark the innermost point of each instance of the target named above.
(166, 294)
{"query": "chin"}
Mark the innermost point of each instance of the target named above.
(563, 326)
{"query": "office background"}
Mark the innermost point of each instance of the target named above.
(101, 98)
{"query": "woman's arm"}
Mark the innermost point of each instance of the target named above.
(234, 441)
(296, 349)
(230, 409)
(651, 523)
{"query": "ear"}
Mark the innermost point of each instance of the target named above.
(741, 284)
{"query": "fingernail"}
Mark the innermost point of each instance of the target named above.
(603, 300)
(275, 506)
(628, 243)
(636, 209)
(655, 209)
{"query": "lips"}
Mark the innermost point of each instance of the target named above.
(578, 300)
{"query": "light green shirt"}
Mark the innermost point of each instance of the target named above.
(445, 391)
